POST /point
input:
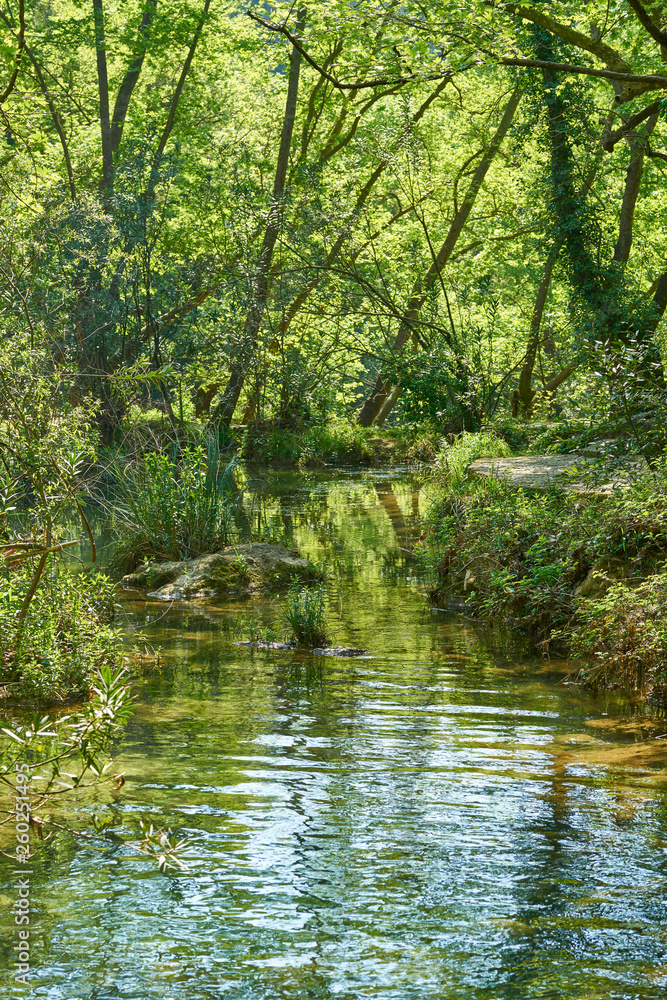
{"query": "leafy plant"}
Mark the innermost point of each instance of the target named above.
(81, 741)
(168, 508)
(456, 456)
(162, 846)
(65, 636)
(255, 631)
(623, 635)
(302, 612)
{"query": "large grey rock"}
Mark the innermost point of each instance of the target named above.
(568, 472)
(601, 577)
(237, 570)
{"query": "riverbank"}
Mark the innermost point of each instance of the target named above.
(337, 809)
(583, 574)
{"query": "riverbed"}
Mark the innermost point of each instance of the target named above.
(444, 817)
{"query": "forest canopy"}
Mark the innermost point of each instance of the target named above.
(268, 213)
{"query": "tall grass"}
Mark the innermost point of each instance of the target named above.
(455, 458)
(174, 508)
(302, 612)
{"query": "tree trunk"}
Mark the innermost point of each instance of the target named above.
(388, 405)
(633, 179)
(224, 411)
(103, 92)
(420, 289)
(525, 389)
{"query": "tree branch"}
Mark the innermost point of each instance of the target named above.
(384, 82)
(609, 139)
(648, 82)
(131, 77)
(564, 31)
(21, 40)
(56, 121)
(173, 107)
(642, 16)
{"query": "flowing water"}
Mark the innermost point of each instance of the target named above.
(442, 818)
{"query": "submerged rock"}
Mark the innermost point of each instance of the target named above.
(266, 645)
(237, 570)
(340, 651)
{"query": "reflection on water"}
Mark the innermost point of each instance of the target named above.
(443, 818)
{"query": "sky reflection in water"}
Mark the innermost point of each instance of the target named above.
(441, 819)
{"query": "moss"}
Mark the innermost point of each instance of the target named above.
(241, 569)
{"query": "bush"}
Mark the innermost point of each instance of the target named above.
(455, 458)
(268, 444)
(623, 635)
(339, 440)
(174, 509)
(65, 638)
(517, 558)
(500, 548)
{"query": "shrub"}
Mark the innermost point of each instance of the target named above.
(517, 557)
(500, 547)
(623, 635)
(174, 509)
(339, 440)
(455, 458)
(65, 638)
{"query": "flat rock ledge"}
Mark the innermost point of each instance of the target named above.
(543, 472)
(237, 571)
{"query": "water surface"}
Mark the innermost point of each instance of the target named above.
(441, 819)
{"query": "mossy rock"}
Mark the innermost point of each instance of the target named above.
(235, 571)
(601, 577)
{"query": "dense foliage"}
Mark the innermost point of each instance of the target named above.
(306, 221)
(584, 571)
(284, 213)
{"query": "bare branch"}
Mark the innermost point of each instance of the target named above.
(609, 139)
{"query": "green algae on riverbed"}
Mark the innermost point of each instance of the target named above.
(442, 819)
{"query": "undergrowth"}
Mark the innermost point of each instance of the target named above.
(581, 572)
(341, 441)
(455, 457)
(65, 638)
(173, 507)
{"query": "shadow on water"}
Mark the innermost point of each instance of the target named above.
(443, 818)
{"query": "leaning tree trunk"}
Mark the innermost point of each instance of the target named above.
(525, 389)
(420, 289)
(222, 417)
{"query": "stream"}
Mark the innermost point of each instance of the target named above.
(443, 818)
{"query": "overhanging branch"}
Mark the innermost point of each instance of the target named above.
(643, 17)
(647, 81)
(385, 82)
